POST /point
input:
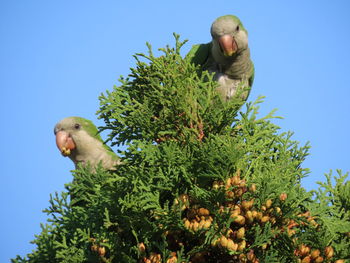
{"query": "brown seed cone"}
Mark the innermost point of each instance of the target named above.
(250, 255)
(201, 224)
(239, 220)
(296, 252)
(242, 258)
(155, 258)
(315, 253)
(329, 252)
(304, 250)
(254, 213)
(216, 185)
(292, 224)
(291, 232)
(223, 241)
(184, 198)
(215, 242)
(306, 259)
(318, 259)
(273, 220)
(246, 205)
(235, 180)
(228, 183)
(310, 218)
(187, 223)
(283, 196)
(231, 245)
(221, 209)
(313, 222)
(242, 245)
(259, 215)
(268, 203)
(195, 225)
(252, 188)
(229, 233)
(239, 192)
(243, 183)
(203, 212)
(264, 219)
(142, 247)
(235, 213)
(306, 214)
(240, 233)
(173, 258)
(278, 210)
(236, 210)
(94, 248)
(207, 224)
(230, 194)
(101, 251)
(249, 216)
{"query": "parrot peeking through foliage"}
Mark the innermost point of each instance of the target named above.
(228, 56)
(78, 138)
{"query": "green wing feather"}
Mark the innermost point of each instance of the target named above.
(199, 54)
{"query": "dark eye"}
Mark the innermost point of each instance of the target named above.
(77, 126)
(237, 28)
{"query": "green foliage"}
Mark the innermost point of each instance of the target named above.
(165, 99)
(332, 209)
(201, 181)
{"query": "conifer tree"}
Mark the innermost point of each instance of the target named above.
(201, 180)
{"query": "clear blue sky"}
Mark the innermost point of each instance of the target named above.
(56, 57)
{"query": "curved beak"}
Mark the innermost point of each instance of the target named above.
(228, 45)
(64, 142)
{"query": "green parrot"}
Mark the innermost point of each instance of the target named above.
(78, 138)
(228, 56)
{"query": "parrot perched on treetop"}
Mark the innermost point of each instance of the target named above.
(228, 56)
(78, 138)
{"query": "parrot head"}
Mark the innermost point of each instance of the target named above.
(70, 131)
(229, 36)
(78, 139)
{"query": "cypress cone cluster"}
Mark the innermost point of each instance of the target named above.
(244, 216)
